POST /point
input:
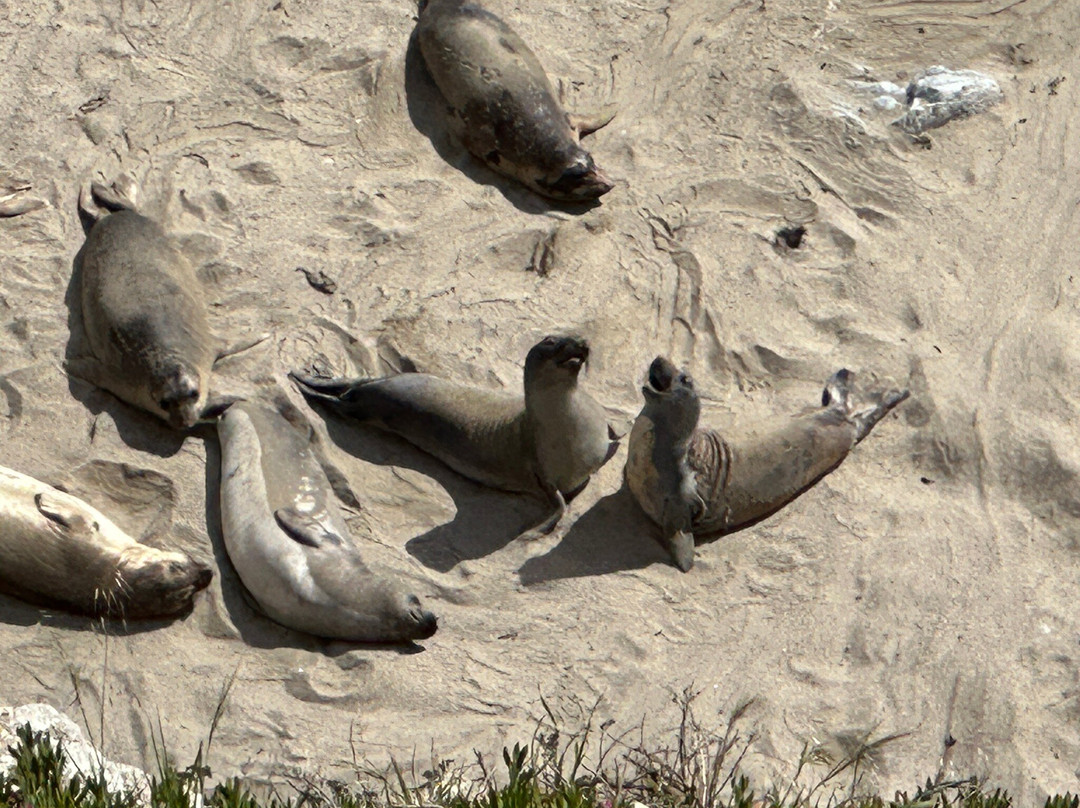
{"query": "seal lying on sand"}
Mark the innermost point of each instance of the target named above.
(548, 442)
(695, 483)
(288, 541)
(143, 314)
(56, 549)
(502, 106)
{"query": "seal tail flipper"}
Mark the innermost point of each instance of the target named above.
(18, 205)
(866, 420)
(586, 124)
(121, 194)
(319, 388)
(837, 392)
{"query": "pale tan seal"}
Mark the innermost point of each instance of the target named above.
(546, 442)
(287, 538)
(696, 483)
(502, 105)
(55, 549)
(144, 314)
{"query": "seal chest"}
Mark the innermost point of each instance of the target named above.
(502, 105)
(144, 318)
(697, 484)
(288, 540)
(56, 549)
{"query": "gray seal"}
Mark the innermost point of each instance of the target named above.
(547, 442)
(288, 540)
(56, 549)
(502, 105)
(144, 315)
(696, 483)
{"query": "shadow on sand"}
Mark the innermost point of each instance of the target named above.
(21, 613)
(428, 110)
(486, 520)
(612, 536)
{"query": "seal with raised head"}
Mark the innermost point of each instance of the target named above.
(547, 442)
(502, 105)
(696, 483)
(57, 550)
(144, 314)
(287, 537)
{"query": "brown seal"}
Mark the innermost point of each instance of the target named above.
(143, 313)
(502, 106)
(547, 442)
(696, 483)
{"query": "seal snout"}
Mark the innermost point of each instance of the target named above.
(426, 622)
(573, 353)
(203, 576)
(662, 373)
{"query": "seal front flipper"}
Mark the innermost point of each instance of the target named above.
(552, 520)
(587, 123)
(303, 528)
(678, 537)
(55, 510)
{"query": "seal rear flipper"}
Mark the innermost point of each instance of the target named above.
(866, 420)
(319, 388)
(120, 194)
(19, 205)
(837, 392)
(303, 529)
(587, 123)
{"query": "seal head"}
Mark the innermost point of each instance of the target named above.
(158, 587)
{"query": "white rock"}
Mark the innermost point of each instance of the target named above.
(81, 756)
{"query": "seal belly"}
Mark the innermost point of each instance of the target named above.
(747, 479)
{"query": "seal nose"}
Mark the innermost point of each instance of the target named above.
(426, 625)
(661, 374)
(203, 576)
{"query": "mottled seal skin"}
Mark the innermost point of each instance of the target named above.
(547, 442)
(144, 317)
(57, 550)
(502, 105)
(695, 483)
(288, 540)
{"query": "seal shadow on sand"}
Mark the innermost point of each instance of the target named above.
(139, 430)
(255, 628)
(614, 535)
(427, 106)
(17, 612)
(486, 519)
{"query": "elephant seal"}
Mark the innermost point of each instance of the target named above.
(57, 550)
(502, 105)
(547, 442)
(695, 483)
(288, 540)
(144, 314)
